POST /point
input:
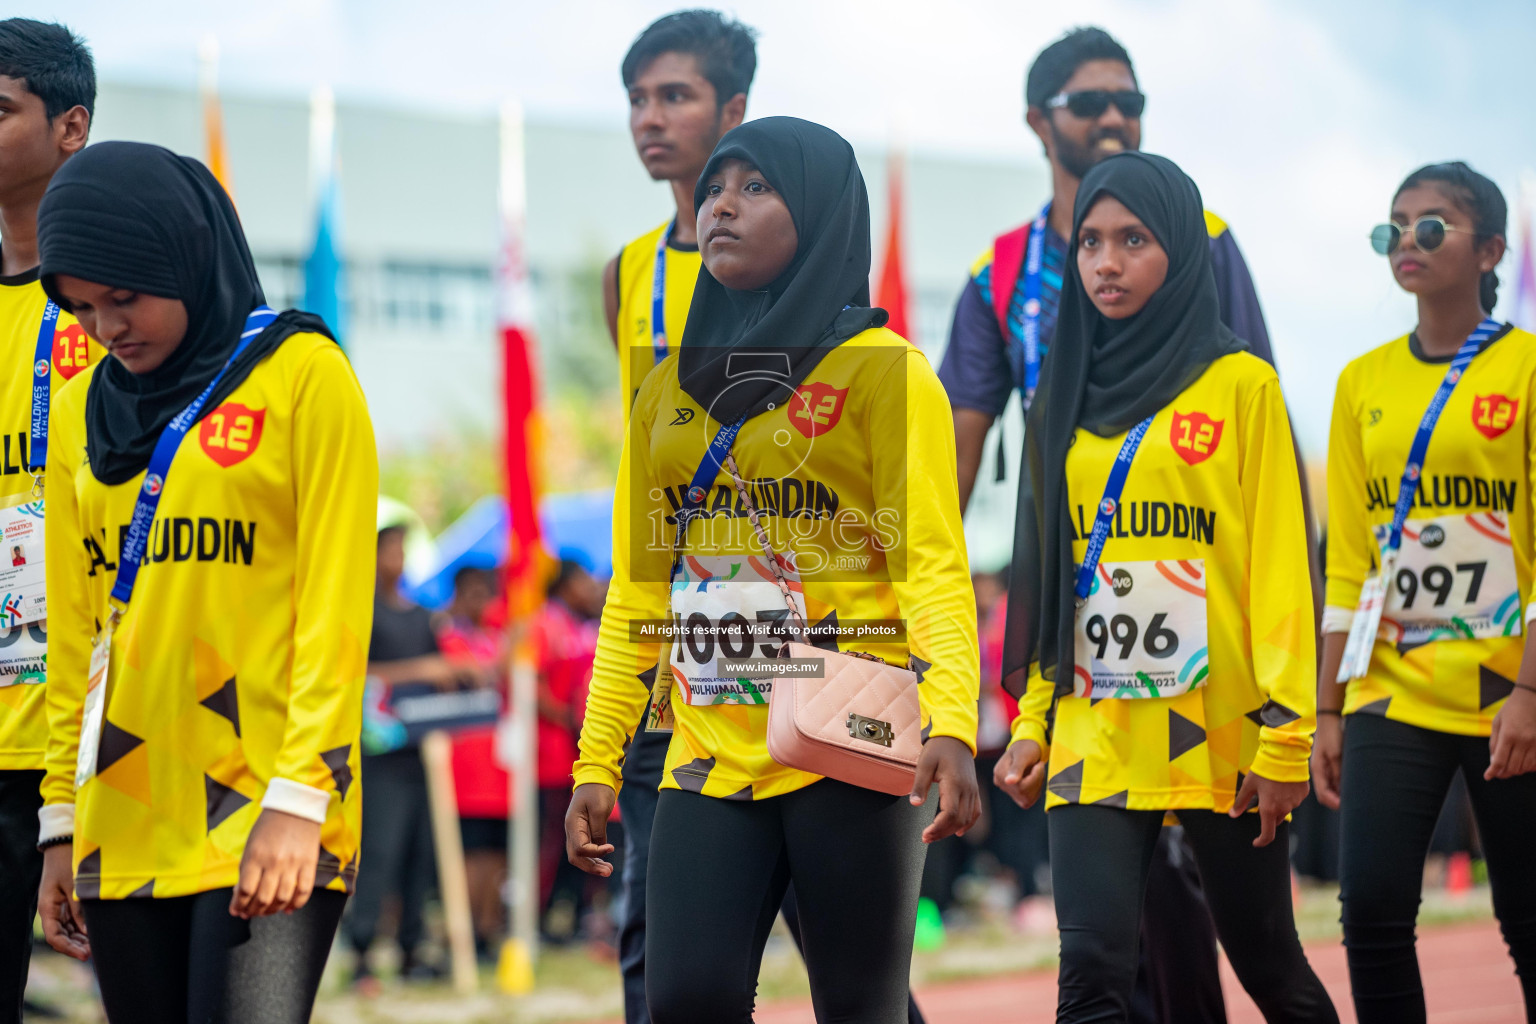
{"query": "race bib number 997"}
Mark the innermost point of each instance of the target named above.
(1454, 580)
(727, 608)
(1141, 633)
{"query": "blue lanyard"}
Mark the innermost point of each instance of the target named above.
(1112, 491)
(659, 295)
(42, 383)
(1034, 257)
(709, 468)
(137, 539)
(1409, 486)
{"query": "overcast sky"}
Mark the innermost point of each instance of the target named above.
(1296, 117)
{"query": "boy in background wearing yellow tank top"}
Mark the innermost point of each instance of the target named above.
(687, 76)
(47, 93)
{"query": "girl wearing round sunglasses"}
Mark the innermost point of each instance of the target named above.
(1444, 684)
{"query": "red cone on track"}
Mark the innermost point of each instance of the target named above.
(1458, 874)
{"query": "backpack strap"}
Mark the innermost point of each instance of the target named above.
(1008, 251)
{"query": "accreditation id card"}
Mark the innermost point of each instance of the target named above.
(94, 713)
(1367, 621)
(23, 583)
(660, 716)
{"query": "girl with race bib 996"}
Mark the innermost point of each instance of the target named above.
(1431, 544)
(1160, 626)
(211, 502)
(845, 452)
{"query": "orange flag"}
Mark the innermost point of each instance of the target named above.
(213, 117)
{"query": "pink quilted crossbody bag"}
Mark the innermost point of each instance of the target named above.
(859, 721)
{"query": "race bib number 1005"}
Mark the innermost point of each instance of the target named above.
(727, 608)
(1141, 633)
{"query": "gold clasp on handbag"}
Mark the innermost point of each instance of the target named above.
(871, 730)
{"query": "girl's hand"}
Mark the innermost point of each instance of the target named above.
(1513, 743)
(63, 924)
(1020, 772)
(277, 872)
(586, 828)
(951, 764)
(1276, 800)
(1328, 759)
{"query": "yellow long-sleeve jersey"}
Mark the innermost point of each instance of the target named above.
(237, 672)
(855, 477)
(1469, 541)
(637, 279)
(24, 648)
(1210, 527)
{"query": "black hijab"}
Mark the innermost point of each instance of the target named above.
(139, 217)
(743, 351)
(1106, 376)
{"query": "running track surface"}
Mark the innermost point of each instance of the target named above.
(1468, 979)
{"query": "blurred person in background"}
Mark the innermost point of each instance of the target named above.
(397, 858)
(472, 635)
(1008, 837)
(564, 643)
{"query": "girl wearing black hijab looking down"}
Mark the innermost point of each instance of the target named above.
(202, 799)
(1160, 625)
(845, 450)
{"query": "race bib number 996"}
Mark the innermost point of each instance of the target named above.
(727, 608)
(1454, 580)
(1141, 633)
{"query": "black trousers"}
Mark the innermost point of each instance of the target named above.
(165, 961)
(21, 869)
(1178, 980)
(396, 852)
(719, 870)
(1395, 781)
(637, 805)
(1100, 859)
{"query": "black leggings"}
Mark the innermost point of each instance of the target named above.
(718, 873)
(165, 961)
(1395, 780)
(1100, 857)
(21, 868)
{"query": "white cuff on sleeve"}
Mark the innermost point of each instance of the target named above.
(54, 821)
(1530, 612)
(297, 799)
(1336, 619)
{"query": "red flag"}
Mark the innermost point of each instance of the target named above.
(891, 292)
(528, 562)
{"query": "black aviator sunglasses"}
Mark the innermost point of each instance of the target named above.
(1091, 103)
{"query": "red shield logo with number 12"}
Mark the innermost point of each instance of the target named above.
(1195, 436)
(231, 433)
(1492, 415)
(815, 409)
(71, 350)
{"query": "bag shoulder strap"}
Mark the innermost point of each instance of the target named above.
(773, 561)
(1008, 251)
(762, 538)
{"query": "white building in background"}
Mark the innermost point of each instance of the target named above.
(419, 236)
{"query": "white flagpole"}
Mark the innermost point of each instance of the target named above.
(514, 307)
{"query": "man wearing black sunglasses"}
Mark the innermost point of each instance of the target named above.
(1084, 105)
